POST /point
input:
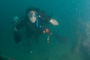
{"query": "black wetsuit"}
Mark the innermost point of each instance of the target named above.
(31, 28)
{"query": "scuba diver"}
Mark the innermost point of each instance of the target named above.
(34, 23)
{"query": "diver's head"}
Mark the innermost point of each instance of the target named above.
(32, 16)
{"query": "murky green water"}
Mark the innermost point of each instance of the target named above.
(74, 26)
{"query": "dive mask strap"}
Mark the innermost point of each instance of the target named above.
(37, 21)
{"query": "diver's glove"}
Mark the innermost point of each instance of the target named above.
(17, 37)
(15, 18)
(54, 22)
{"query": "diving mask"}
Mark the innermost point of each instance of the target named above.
(32, 16)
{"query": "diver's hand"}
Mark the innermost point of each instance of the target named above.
(16, 18)
(54, 22)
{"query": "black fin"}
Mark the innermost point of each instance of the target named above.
(17, 37)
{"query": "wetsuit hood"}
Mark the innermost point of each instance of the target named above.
(32, 9)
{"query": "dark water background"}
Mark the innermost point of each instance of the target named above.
(71, 15)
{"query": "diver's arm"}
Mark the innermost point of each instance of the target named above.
(53, 22)
(17, 37)
(49, 20)
(20, 25)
